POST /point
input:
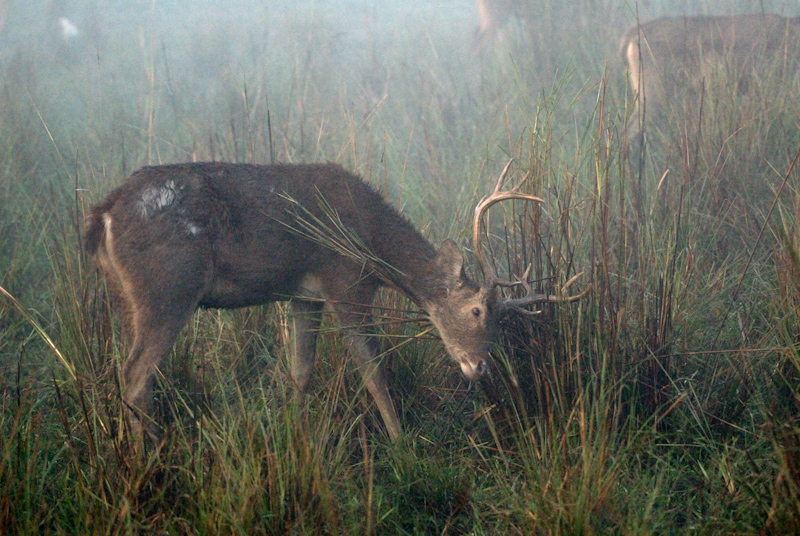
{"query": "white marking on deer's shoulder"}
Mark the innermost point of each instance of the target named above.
(156, 198)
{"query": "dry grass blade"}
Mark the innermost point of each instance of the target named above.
(39, 330)
(333, 234)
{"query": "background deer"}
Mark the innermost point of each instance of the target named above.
(671, 59)
(493, 16)
(178, 237)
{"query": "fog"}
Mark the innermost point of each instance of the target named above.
(369, 38)
(131, 82)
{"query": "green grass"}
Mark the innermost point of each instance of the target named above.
(664, 403)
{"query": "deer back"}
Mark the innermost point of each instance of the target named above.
(236, 222)
(673, 57)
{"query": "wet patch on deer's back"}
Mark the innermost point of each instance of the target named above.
(157, 199)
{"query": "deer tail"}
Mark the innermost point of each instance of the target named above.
(95, 228)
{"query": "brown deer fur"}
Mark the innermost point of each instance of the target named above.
(674, 60)
(177, 237)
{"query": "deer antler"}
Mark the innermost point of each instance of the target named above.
(514, 304)
(518, 304)
(496, 196)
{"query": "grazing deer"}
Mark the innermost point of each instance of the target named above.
(177, 237)
(493, 15)
(526, 17)
(671, 59)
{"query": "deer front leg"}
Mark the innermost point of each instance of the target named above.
(363, 347)
(304, 320)
(365, 350)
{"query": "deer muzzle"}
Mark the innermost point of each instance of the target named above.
(473, 369)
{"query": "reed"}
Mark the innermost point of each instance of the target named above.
(664, 402)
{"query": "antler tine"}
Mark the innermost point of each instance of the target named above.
(496, 196)
(518, 304)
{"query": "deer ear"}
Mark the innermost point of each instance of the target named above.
(451, 261)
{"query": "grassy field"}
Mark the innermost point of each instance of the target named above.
(666, 402)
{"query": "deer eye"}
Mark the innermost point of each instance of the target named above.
(476, 312)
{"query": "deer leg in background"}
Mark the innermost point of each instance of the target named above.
(304, 320)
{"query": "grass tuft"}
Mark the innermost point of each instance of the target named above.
(663, 402)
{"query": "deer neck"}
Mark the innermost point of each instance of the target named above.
(412, 262)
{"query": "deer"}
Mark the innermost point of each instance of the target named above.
(175, 238)
(493, 15)
(496, 18)
(670, 60)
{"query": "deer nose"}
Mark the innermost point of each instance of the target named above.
(473, 371)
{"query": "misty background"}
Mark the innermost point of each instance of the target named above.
(399, 92)
(665, 402)
(176, 71)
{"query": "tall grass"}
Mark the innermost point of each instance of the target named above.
(664, 402)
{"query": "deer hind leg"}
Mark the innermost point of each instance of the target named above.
(153, 337)
(157, 314)
(304, 320)
(158, 291)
